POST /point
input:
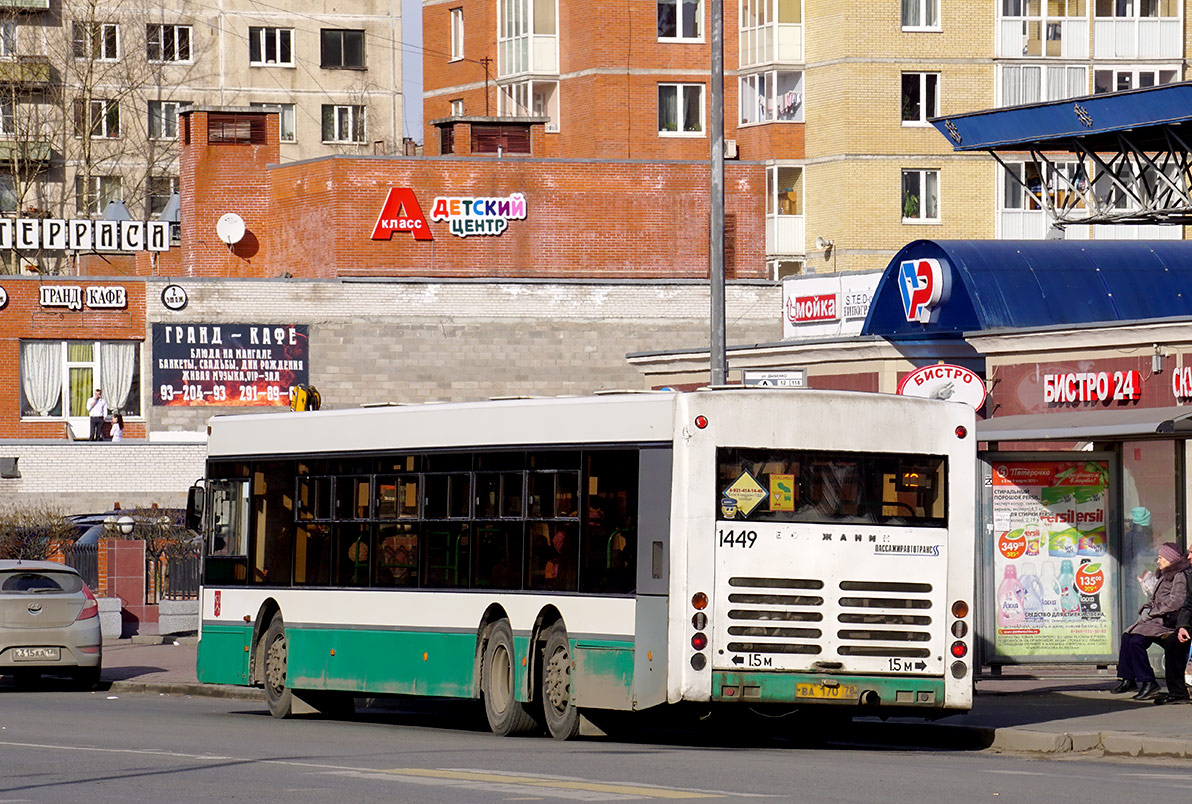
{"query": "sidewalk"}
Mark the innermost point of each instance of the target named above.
(1047, 709)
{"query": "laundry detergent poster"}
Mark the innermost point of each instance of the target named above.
(1053, 580)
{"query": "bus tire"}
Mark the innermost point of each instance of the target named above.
(561, 715)
(276, 653)
(506, 715)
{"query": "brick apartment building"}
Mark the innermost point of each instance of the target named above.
(90, 93)
(832, 97)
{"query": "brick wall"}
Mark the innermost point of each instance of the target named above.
(82, 477)
(23, 318)
(416, 341)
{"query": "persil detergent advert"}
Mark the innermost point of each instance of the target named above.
(1053, 579)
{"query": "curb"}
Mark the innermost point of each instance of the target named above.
(188, 689)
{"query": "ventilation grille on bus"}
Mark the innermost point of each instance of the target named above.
(775, 615)
(885, 619)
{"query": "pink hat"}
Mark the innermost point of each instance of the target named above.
(1171, 551)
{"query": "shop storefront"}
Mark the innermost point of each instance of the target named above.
(1085, 351)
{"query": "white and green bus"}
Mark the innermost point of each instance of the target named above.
(768, 548)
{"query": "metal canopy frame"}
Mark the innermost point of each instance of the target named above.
(1156, 185)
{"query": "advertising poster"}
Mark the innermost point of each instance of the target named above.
(1053, 580)
(228, 364)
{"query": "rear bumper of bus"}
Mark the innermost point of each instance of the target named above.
(806, 688)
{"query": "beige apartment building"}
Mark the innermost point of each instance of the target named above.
(834, 96)
(90, 90)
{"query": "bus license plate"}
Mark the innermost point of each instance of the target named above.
(840, 692)
(35, 654)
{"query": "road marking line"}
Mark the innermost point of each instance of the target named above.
(546, 782)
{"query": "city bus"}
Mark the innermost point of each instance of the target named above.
(776, 549)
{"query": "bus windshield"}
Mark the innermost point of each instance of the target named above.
(831, 487)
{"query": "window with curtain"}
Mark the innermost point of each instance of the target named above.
(58, 377)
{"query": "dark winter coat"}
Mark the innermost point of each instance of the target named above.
(1157, 618)
(1184, 618)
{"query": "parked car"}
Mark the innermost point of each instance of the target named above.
(49, 623)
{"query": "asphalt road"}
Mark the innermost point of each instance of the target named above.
(62, 746)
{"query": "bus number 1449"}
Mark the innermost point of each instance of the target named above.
(744, 538)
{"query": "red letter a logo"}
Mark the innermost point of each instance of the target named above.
(401, 213)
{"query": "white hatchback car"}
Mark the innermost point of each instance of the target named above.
(49, 623)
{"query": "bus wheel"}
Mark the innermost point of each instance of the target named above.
(276, 656)
(506, 714)
(562, 718)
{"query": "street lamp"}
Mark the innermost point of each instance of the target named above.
(124, 525)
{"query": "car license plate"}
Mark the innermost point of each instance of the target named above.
(35, 654)
(840, 692)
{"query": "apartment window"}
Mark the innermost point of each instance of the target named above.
(343, 49)
(774, 96)
(680, 19)
(921, 15)
(1132, 78)
(8, 195)
(99, 41)
(1063, 179)
(271, 47)
(1034, 83)
(680, 109)
(920, 196)
(8, 122)
(457, 34)
(457, 108)
(161, 189)
(163, 119)
(1134, 9)
(166, 43)
(287, 119)
(920, 98)
(58, 377)
(1033, 28)
(784, 194)
(101, 118)
(343, 123)
(8, 39)
(526, 37)
(94, 193)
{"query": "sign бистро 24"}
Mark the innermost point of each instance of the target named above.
(230, 365)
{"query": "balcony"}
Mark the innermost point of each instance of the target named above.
(1147, 38)
(25, 5)
(785, 234)
(774, 43)
(1021, 38)
(1019, 224)
(529, 54)
(31, 154)
(25, 72)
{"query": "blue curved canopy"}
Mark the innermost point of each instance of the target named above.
(1037, 283)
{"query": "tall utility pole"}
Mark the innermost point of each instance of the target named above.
(719, 358)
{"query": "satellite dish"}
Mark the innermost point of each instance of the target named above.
(230, 228)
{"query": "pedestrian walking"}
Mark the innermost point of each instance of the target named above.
(97, 409)
(1156, 622)
(1175, 648)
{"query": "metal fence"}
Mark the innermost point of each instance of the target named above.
(85, 559)
(172, 575)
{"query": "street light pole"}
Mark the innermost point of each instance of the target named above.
(718, 356)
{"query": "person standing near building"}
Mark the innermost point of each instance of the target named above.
(97, 409)
(117, 432)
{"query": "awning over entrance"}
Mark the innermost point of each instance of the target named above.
(1087, 425)
(945, 288)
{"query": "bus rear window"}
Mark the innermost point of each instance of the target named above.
(766, 485)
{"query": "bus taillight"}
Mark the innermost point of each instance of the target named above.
(699, 600)
(960, 609)
(699, 640)
(701, 422)
(961, 431)
(959, 649)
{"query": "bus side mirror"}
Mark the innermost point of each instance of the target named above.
(194, 508)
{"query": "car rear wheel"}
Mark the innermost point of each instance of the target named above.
(276, 653)
(86, 678)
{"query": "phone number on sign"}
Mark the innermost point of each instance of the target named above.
(224, 394)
